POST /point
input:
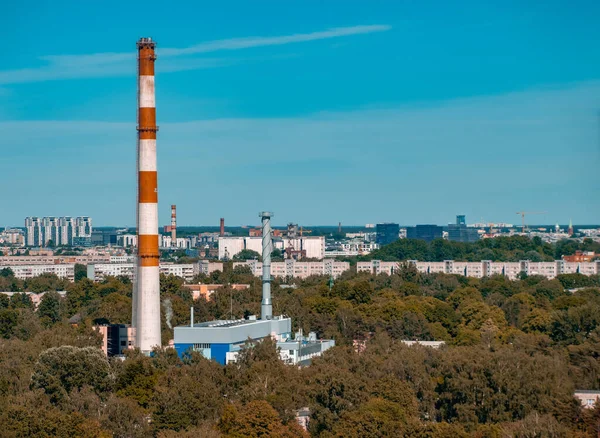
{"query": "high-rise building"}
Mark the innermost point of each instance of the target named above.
(50, 230)
(387, 233)
(33, 231)
(461, 220)
(425, 232)
(65, 231)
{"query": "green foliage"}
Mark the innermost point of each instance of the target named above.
(515, 351)
(6, 272)
(247, 254)
(50, 310)
(513, 248)
(60, 370)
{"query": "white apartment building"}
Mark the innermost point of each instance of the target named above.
(207, 267)
(99, 271)
(313, 246)
(12, 236)
(127, 240)
(122, 258)
(53, 260)
(298, 269)
(182, 242)
(359, 247)
(185, 271)
(25, 272)
(61, 230)
(485, 268)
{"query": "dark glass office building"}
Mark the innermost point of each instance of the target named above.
(425, 232)
(459, 232)
(387, 233)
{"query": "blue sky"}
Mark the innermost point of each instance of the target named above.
(349, 111)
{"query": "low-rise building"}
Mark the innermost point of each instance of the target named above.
(588, 398)
(116, 338)
(35, 297)
(206, 290)
(431, 344)
(222, 340)
(581, 256)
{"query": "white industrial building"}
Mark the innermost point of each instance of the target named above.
(312, 246)
(24, 272)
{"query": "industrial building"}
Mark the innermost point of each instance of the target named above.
(309, 246)
(222, 340)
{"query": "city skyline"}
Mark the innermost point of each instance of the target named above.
(395, 115)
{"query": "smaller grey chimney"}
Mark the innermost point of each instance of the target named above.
(266, 308)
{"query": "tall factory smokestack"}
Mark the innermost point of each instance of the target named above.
(222, 230)
(173, 226)
(266, 308)
(146, 303)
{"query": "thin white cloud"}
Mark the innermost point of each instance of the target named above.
(120, 64)
(489, 155)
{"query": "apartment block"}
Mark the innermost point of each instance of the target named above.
(298, 269)
(25, 272)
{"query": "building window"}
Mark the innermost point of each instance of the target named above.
(201, 346)
(123, 343)
(590, 402)
(291, 352)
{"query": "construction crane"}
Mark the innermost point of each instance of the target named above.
(523, 213)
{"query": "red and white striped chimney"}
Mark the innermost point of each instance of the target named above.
(146, 312)
(173, 226)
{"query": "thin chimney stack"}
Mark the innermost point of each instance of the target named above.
(146, 299)
(173, 226)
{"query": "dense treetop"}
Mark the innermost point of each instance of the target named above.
(515, 352)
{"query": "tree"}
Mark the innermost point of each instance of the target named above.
(8, 321)
(246, 254)
(50, 309)
(6, 272)
(21, 301)
(60, 370)
(80, 272)
(256, 419)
